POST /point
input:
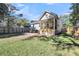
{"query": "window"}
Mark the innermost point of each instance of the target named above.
(0, 21)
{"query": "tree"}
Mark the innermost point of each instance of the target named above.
(22, 22)
(66, 20)
(10, 20)
(75, 13)
(3, 11)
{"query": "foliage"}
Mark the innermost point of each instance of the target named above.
(22, 22)
(64, 42)
(66, 20)
(62, 39)
(65, 39)
(69, 30)
(75, 12)
(67, 24)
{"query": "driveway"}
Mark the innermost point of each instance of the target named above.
(20, 37)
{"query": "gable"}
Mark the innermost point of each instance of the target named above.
(46, 16)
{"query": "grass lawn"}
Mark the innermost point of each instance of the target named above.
(32, 47)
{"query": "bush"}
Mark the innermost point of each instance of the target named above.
(65, 39)
(62, 40)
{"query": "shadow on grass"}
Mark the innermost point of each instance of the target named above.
(8, 35)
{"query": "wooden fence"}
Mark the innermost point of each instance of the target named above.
(4, 30)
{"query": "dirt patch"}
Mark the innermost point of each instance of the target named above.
(21, 37)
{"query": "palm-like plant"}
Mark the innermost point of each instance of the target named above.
(22, 22)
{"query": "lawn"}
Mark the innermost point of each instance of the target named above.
(33, 47)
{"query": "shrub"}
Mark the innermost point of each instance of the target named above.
(62, 41)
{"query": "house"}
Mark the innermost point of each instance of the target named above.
(35, 24)
(48, 24)
(7, 21)
(3, 13)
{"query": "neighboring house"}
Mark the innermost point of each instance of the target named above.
(35, 25)
(5, 10)
(3, 13)
(7, 22)
(48, 24)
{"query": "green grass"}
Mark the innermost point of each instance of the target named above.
(33, 47)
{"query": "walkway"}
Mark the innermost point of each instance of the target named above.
(20, 37)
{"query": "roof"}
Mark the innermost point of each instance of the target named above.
(34, 22)
(37, 22)
(55, 15)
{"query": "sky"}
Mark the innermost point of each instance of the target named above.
(33, 11)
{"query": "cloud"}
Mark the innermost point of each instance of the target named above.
(36, 17)
(66, 13)
(22, 10)
(27, 13)
(50, 3)
(20, 5)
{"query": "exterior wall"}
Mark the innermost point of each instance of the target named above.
(47, 16)
(37, 26)
(47, 32)
(3, 24)
(59, 25)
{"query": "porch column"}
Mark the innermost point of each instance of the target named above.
(54, 27)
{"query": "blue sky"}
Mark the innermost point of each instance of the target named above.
(33, 11)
